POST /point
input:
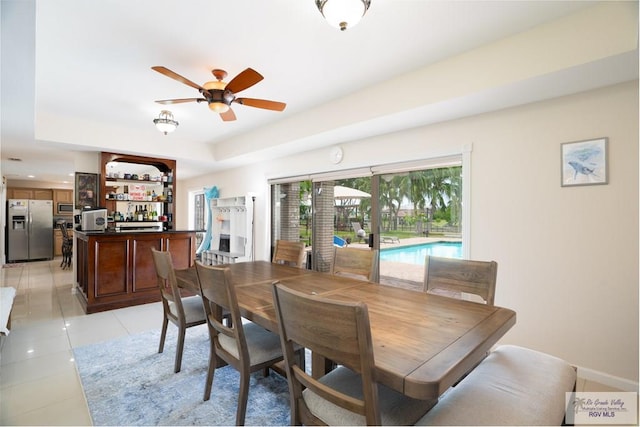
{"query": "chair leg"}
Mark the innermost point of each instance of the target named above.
(213, 360)
(179, 348)
(163, 334)
(242, 398)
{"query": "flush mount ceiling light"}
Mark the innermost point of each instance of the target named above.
(165, 122)
(343, 14)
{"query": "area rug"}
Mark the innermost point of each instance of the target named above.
(127, 382)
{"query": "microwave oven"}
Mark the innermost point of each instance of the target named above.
(64, 208)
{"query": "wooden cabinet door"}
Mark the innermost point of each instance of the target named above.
(43, 194)
(183, 249)
(22, 193)
(32, 193)
(57, 242)
(63, 196)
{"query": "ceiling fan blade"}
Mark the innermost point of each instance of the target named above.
(175, 76)
(244, 80)
(180, 101)
(228, 116)
(262, 103)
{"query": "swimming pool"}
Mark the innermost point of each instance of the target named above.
(415, 254)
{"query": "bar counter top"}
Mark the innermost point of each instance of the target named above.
(113, 232)
(115, 269)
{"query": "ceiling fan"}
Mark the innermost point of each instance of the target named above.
(220, 95)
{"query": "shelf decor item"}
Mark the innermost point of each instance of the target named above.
(86, 190)
(584, 162)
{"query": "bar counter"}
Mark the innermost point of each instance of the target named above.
(115, 269)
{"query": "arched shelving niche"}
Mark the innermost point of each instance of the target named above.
(150, 171)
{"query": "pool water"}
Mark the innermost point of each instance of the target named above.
(416, 254)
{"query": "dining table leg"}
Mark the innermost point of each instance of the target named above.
(320, 365)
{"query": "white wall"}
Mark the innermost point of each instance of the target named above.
(567, 256)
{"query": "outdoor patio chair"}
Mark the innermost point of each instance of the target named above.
(389, 239)
(360, 232)
(461, 276)
(339, 242)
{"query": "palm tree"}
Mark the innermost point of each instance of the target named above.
(393, 190)
(438, 188)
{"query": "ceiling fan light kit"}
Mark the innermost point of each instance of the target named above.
(220, 95)
(343, 14)
(165, 122)
(218, 107)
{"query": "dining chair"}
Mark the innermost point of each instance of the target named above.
(458, 276)
(184, 312)
(246, 346)
(349, 394)
(354, 262)
(67, 246)
(289, 252)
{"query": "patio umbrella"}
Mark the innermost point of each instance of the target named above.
(347, 197)
(340, 192)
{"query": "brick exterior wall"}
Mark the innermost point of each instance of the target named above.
(290, 211)
(323, 225)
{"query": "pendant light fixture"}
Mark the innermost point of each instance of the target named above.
(165, 122)
(343, 14)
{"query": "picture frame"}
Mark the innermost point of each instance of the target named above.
(86, 190)
(584, 162)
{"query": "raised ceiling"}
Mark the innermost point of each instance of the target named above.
(76, 74)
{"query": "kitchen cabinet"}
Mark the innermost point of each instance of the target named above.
(57, 241)
(30, 193)
(62, 196)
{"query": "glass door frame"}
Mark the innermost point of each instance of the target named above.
(375, 173)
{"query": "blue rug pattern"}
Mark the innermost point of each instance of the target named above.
(127, 382)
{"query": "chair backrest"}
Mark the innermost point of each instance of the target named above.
(219, 295)
(63, 230)
(346, 340)
(166, 277)
(289, 252)
(354, 261)
(460, 275)
(356, 227)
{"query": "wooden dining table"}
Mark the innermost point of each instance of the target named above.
(422, 343)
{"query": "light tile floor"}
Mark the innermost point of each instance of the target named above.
(39, 383)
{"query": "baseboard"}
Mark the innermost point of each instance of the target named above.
(607, 379)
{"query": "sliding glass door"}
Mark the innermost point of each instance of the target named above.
(419, 214)
(401, 210)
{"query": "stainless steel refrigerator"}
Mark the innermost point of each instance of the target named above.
(29, 229)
